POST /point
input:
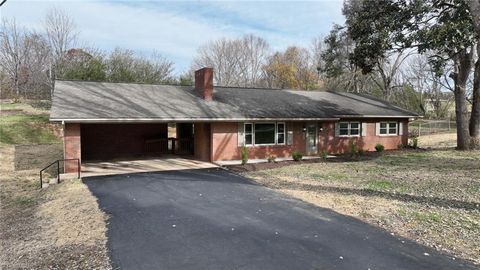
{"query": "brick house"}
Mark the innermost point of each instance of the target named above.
(105, 121)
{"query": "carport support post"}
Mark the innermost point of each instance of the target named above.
(72, 146)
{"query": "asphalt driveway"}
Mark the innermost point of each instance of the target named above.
(214, 219)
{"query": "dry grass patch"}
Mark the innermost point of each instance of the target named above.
(446, 140)
(432, 197)
(56, 228)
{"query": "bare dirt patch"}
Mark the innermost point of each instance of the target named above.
(56, 228)
(28, 157)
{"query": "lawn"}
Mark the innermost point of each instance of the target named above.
(430, 196)
(56, 228)
(22, 123)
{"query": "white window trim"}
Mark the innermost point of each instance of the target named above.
(253, 144)
(388, 134)
(349, 128)
(284, 133)
(245, 134)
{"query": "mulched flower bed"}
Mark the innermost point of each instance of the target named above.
(339, 158)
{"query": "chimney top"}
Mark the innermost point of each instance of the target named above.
(204, 82)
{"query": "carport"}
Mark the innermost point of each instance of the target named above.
(104, 142)
(117, 148)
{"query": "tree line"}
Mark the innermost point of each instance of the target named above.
(31, 60)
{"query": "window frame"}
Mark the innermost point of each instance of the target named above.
(252, 133)
(387, 129)
(274, 135)
(253, 144)
(284, 133)
(349, 129)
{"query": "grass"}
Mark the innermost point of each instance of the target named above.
(29, 125)
(60, 227)
(432, 197)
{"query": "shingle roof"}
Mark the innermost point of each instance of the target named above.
(80, 101)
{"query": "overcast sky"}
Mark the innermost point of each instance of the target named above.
(177, 29)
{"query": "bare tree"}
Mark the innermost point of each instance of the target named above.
(61, 32)
(13, 53)
(37, 82)
(62, 35)
(124, 66)
(388, 70)
(237, 62)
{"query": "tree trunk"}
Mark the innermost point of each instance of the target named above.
(474, 7)
(475, 117)
(463, 64)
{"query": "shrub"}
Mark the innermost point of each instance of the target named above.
(414, 142)
(323, 155)
(297, 156)
(271, 159)
(379, 147)
(361, 152)
(244, 155)
(353, 148)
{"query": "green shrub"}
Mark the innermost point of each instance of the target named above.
(379, 147)
(323, 155)
(353, 148)
(244, 155)
(414, 142)
(271, 159)
(361, 152)
(297, 156)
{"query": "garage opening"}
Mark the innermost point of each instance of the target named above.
(127, 141)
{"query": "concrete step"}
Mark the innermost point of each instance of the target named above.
(45, 185)
(53, 181)
(65, 176)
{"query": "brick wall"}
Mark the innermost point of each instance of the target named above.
(337, 145)
(225, 142)
(72, 146)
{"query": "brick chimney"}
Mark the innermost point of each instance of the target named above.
(204, 82)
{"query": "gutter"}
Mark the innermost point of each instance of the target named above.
(185, 120)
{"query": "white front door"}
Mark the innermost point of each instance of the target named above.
(311, 139)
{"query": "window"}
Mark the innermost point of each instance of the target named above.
(248, 134)
(280, 133)
(388, 128)
(349, 129)
(264, 133)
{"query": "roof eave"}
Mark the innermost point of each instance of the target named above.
(167, 120)
(376, 116)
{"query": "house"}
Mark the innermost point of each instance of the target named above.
(123, 120)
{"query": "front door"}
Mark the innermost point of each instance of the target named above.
(311, 139)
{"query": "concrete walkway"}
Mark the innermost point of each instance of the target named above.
(172, 163)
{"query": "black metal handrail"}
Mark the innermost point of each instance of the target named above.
(58, 168)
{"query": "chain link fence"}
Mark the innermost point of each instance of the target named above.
(427, 127)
